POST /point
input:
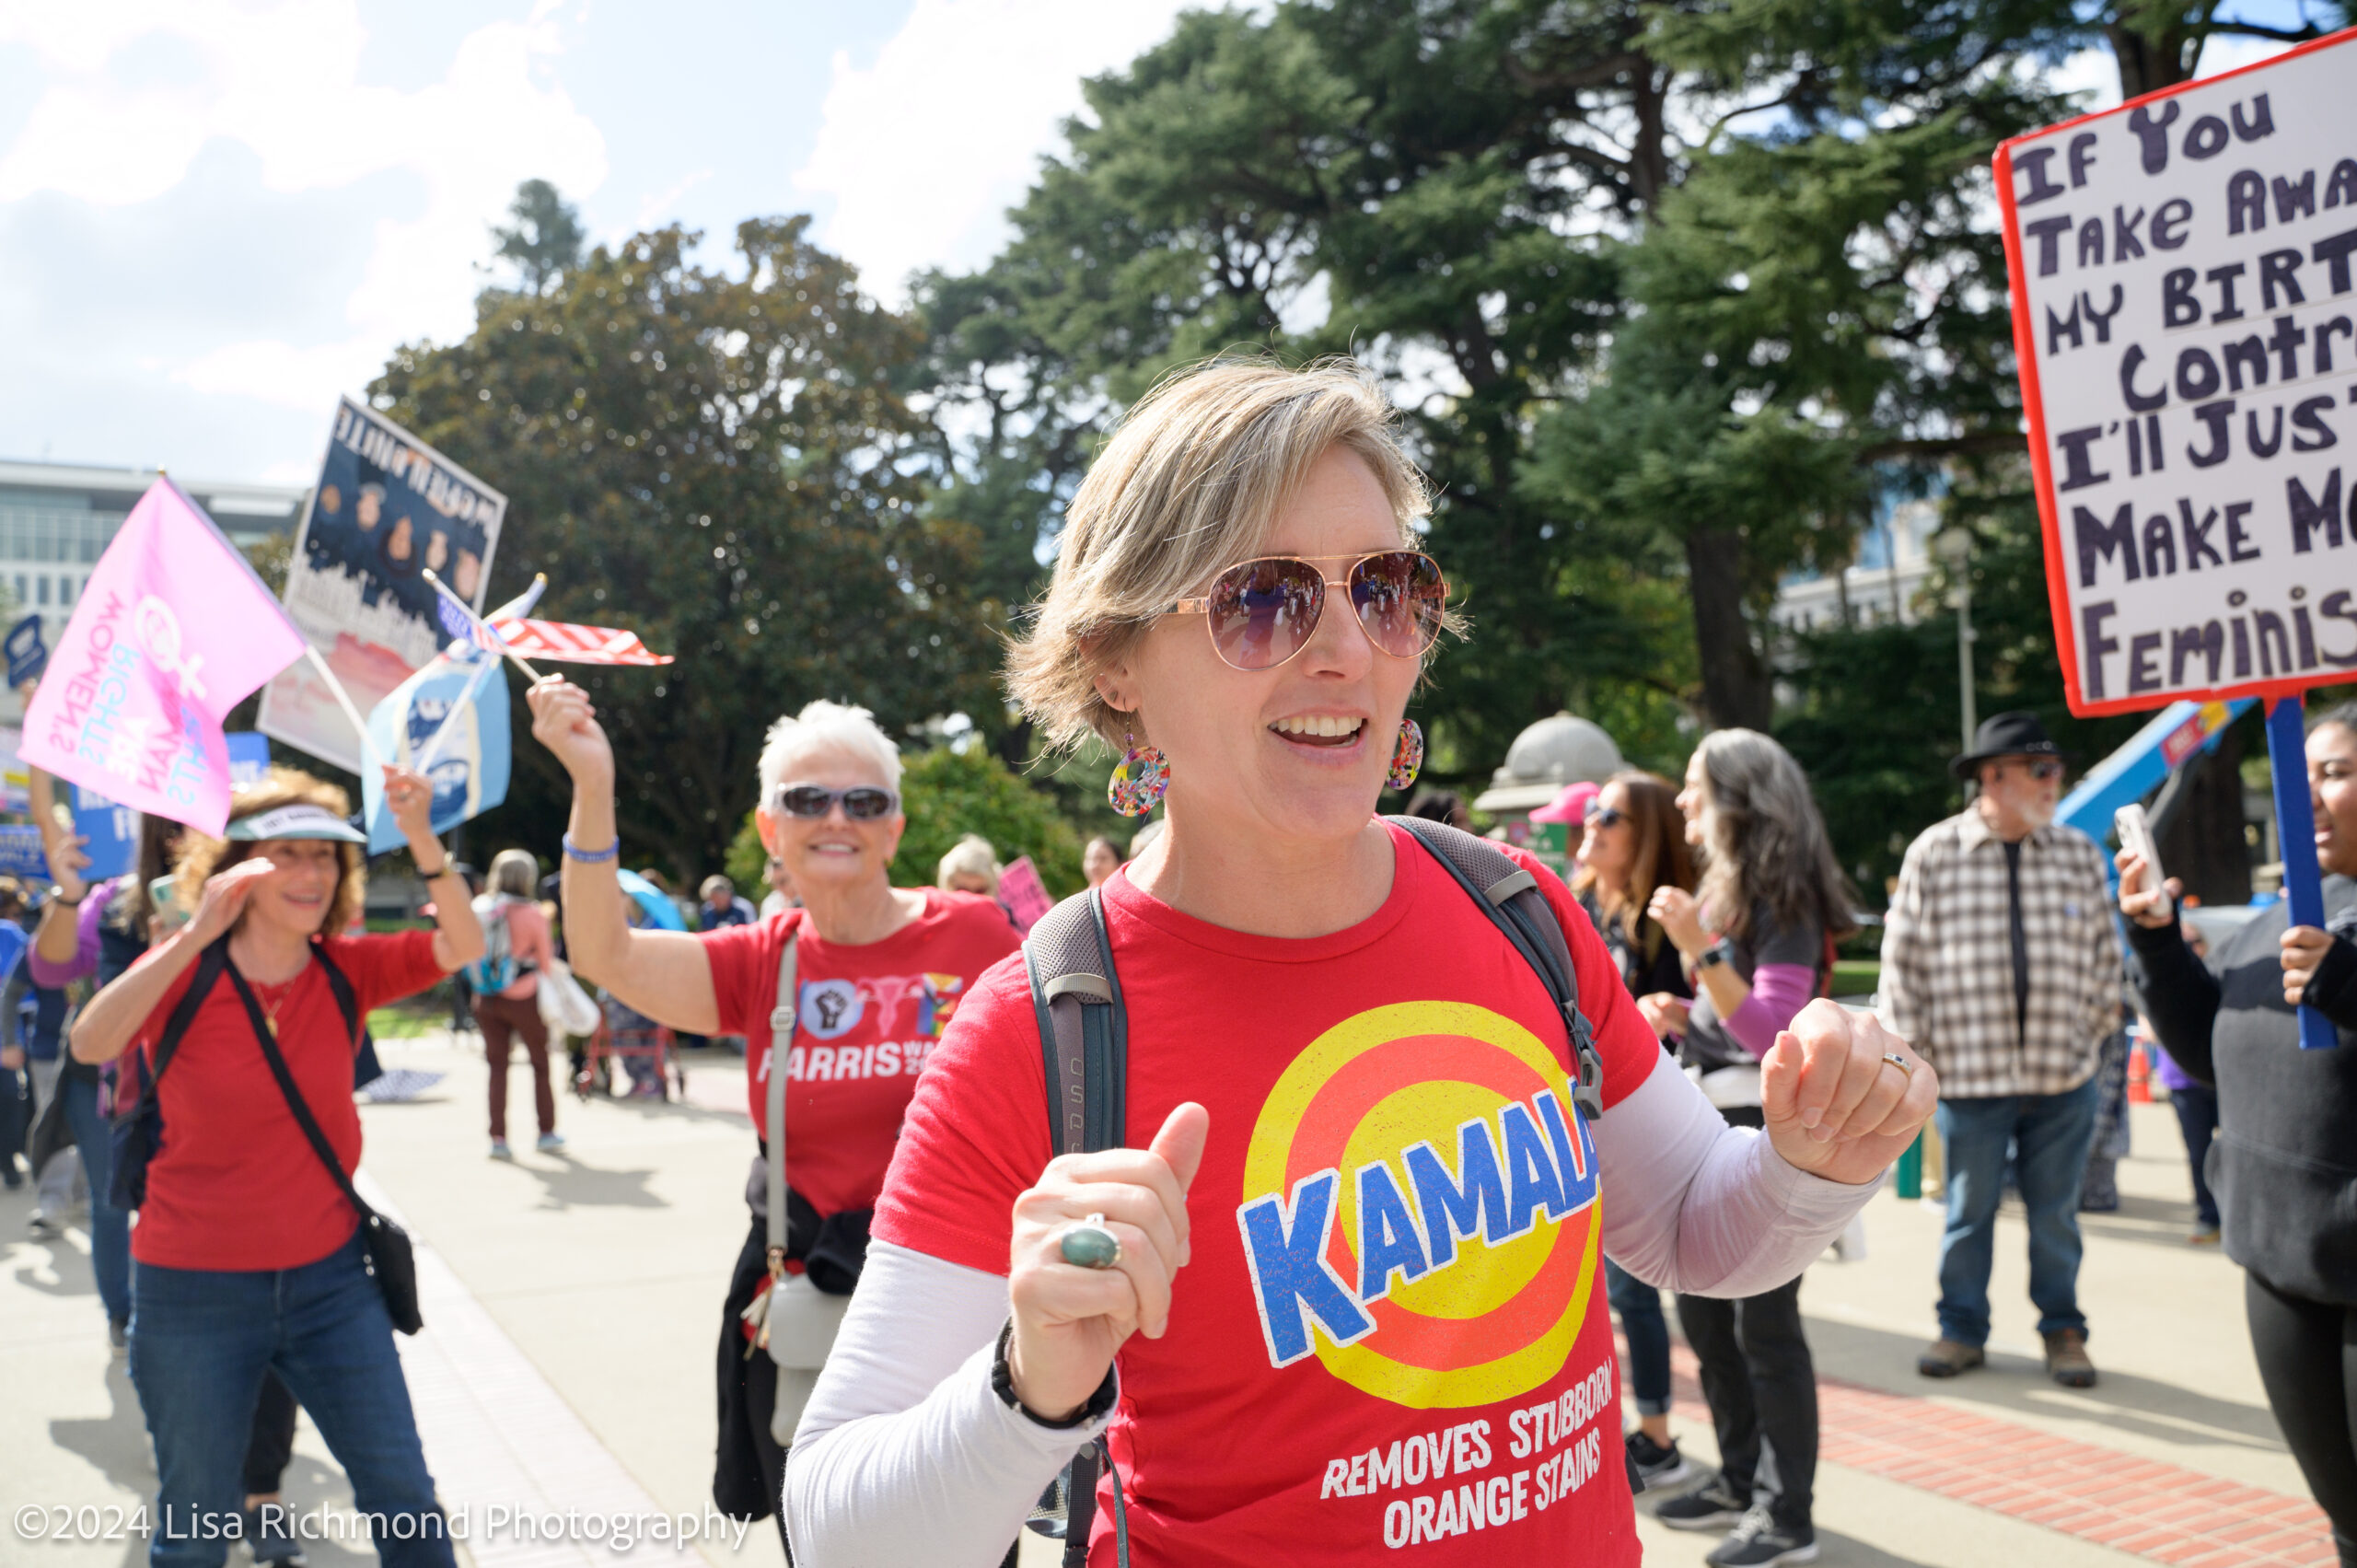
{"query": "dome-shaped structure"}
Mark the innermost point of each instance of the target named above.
(1543, 759)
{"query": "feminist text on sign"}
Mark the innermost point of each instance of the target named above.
(2186, 317)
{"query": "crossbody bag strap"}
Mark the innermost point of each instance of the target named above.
(303, 1118)
(782, 1022)
(209, 965)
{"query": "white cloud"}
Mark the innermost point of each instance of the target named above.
(2096, 74)
(136, 90)
(924, 151)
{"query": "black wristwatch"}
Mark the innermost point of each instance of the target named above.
(1003, 1385)
(1719, 952)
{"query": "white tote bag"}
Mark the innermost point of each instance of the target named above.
(564, 1006)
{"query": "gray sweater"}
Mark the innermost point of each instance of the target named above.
(2284, 1165)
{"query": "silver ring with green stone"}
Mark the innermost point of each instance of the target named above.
(1090, 1244)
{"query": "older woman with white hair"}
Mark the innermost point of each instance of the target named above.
(1390, 1330)
(865, 975)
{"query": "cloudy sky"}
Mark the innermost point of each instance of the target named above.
(217, 214)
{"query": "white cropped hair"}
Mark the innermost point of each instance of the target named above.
(819, 726)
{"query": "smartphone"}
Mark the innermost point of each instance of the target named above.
(161, 894)
(2136, 833)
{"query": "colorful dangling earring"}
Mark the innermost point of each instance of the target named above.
(1144, 778)
(1407, 757)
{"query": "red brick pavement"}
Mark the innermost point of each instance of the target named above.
(2158, 1511)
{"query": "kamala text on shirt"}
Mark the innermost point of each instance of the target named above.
(1393, 1334)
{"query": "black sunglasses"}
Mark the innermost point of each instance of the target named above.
(1606, 816)
(861, 803)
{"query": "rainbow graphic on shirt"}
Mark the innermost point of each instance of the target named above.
(1420, 1207)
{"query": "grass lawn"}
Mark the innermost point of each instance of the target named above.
(1856, 977)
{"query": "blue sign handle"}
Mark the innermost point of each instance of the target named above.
(2295, 833)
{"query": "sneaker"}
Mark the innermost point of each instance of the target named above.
(1945, 1358)
(2203, 1235)
(118, 1336)
(42, 1226)
(1711, 1507)
(2066, 1359)
(1759, 1542)
(550, 1142)
(500, 1151)
(275, 1545)
(1657, 1465)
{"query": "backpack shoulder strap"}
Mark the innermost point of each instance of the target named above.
(1085, 1041)
(1083, 1028)
(1509, 896)
(209, 965)
(347, 1001)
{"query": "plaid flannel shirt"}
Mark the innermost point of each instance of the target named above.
(1947, 966)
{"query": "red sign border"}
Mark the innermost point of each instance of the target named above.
(2033, 408)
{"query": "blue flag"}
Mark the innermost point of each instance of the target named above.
(469, 771)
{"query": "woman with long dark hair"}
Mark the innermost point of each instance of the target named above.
(1758, 936)
(1635, 844)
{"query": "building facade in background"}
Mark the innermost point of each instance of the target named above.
(57, 518)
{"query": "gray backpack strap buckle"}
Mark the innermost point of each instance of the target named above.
(1509, 895)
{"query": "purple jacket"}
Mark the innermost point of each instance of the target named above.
(85, 960)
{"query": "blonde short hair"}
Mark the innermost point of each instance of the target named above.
(1190, 483)
(969, 856)
(515, 872)
(201, 858)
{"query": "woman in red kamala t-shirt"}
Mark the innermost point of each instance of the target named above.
(1357, 1303)
(249, 1252)
(878, 971)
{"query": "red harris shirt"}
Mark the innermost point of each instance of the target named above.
(234, 1184)
(868, 1019)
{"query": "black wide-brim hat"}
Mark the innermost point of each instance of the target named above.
(2014, 734)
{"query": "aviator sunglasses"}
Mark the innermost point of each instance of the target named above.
(861, 803)
(1263, 611)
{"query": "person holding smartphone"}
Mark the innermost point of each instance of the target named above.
(2284, 1159)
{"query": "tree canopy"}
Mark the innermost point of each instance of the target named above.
(713, 462)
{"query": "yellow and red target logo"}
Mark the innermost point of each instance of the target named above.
(1419, 1207)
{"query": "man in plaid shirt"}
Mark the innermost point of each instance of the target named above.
(2000, 967)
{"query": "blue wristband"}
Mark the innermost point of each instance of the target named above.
(574, 852)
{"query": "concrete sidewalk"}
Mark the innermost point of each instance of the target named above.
(573, 1303)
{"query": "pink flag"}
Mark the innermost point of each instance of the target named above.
(173, 631)
(563, 641)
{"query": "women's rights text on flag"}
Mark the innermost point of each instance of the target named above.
(2186, 317)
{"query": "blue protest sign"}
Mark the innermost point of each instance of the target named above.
(20, 853)
(469, 771)
(110, 831)
(248, 758)
(27, 653)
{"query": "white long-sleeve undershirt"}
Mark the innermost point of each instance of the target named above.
(906, 1454)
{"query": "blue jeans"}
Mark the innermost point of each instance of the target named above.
(110, 1227)
(2053, 1134)
(1639, 1304)
(200, 1342)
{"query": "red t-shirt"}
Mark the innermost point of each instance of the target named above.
(1393, 1332)
(234, 1184)
(869, 1017)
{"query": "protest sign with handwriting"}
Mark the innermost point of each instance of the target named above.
(2186, 317)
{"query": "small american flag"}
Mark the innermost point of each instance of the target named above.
(567, 643)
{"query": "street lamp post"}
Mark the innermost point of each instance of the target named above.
(1955, 548)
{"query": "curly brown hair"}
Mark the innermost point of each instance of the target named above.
(201, 859)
